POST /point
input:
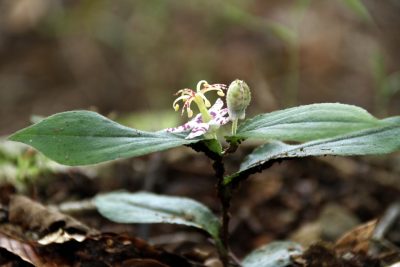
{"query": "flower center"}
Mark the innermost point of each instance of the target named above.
(205, 115)
(187, 96)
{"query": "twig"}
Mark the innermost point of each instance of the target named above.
(385, 224)
(75, 207)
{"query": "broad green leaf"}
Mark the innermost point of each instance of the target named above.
(144, 207)
(85, 137)
(394, 120)
(276, 254)
(309, 122)
(378, 140)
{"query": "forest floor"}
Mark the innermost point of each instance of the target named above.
(344, 212)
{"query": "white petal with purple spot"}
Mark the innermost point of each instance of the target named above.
(197, 127)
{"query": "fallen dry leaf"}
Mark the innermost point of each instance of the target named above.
(47, 223)
(23, 250)
(358, 239)
(67, 242)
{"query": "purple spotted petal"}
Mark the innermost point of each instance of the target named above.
(222, 112)
(200, 129)
(187, 126)
(196, 125)
(217, 106)
(220, 118)
(220, 121)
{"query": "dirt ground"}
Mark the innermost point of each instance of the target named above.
(311, 201)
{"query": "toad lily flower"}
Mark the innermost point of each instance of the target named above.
(209, 119)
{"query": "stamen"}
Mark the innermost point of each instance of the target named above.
(198, 87)
(206, 102)
(182, 97)
(189, 112)
(215, 87)
(220, 85)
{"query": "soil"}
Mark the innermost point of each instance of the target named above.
(313, 201)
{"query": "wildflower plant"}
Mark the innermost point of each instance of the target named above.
(85, 137)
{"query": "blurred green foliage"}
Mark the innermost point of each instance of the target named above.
(20, 165)
(387, 84)
(133, 55)
(360, 9)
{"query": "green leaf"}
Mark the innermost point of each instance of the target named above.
(394, 120)
(378, 140)
(309, 122)
(143, 207)
(276, 254)
(85, 137)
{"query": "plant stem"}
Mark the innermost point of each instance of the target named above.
(224, 196)
(234, 126)
(224, 235)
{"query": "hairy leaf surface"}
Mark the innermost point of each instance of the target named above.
(143, 207)
(85, 137)
(309, 122)
(276, 254)
(378, 140)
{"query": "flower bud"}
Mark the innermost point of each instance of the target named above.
(237, 99)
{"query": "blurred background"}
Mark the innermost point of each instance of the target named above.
(131, 56)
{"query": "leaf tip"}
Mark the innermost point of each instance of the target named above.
(15, 137)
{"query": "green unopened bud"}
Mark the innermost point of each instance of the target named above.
(237, 99)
